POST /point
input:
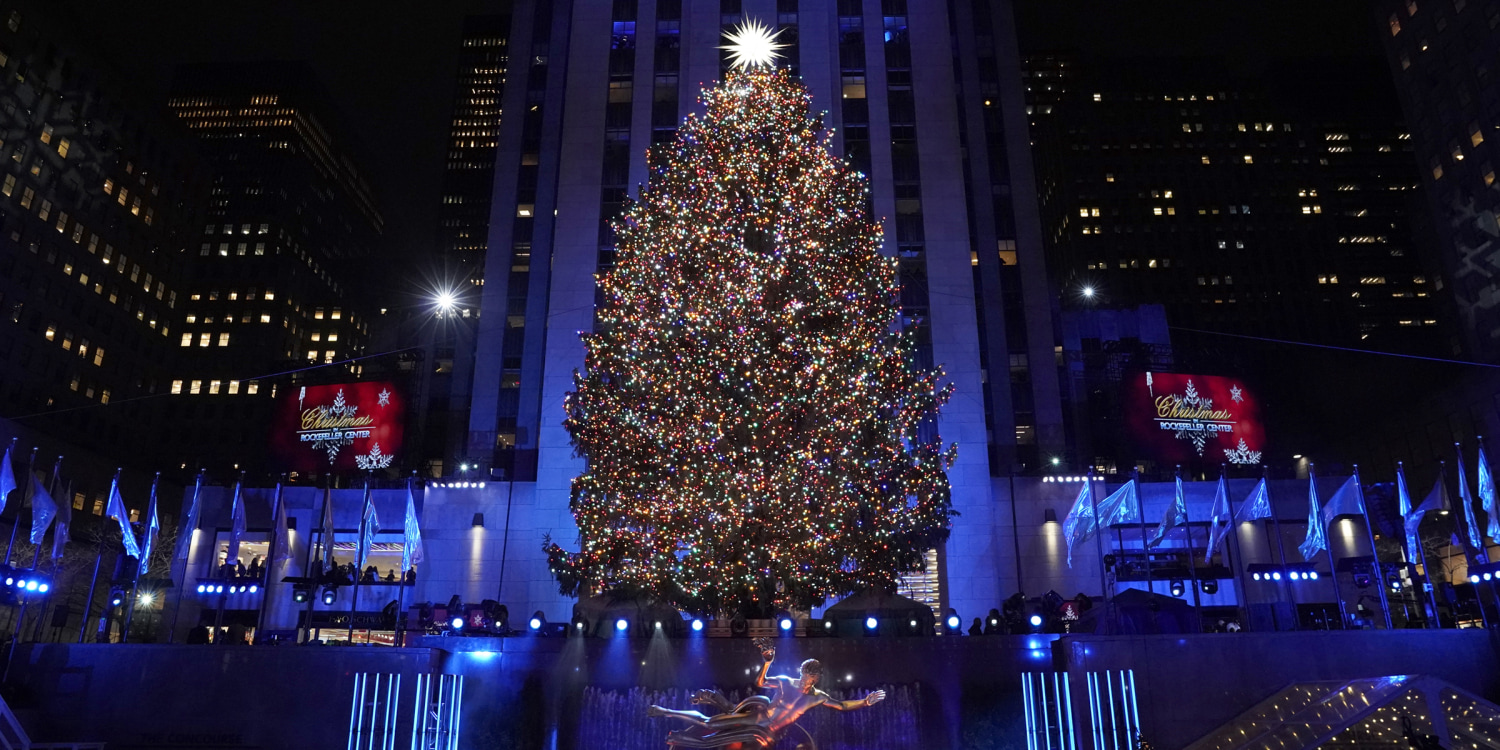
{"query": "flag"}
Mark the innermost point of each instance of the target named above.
(1176, 514)
(185, 536)
(1403, 503)
(1436, 500)
(153, 528)
(1348, 500)
(1119, 507)
(116, 510)
(1220, 519)
(411, 542)
(327, 531)
(1466, 499)
(236, 525)
(1316, 541)
(1487, 495)
(282, 538)
(43, 510)
(1257, 505)
(64, 520)
(7, 480)
(369, 524)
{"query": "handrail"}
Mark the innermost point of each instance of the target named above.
(12, 734)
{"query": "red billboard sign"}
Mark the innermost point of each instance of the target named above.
(1186, 418)
(345, 427)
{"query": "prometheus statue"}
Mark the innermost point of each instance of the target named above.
(758, 721)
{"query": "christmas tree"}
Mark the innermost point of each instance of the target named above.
(749, 407)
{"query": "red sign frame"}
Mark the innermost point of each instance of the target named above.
(338, 428)
(1177, 418)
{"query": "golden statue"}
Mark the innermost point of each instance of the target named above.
(758, 721)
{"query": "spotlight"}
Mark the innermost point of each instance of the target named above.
(218, 589)
(31, 585)
(1036, 620)
(697, 625)
(538, 621)
(1488, 576)
(1209, 586)
(10, 580)
(1276, 576)
(43, 588)
(457, 623)
(1256, 576)
(1178, 587)
(299, 595)
(254, 588)
(828, 624)
(1396, 585)
(871, 623)
(622, 624)
(147, 599)
(201, 588)
(330, 594)
(1293, 575)
(1474, 578)
(785, 624)
(955, 624)
(1313, 575)
(657, 625)
(535, 624)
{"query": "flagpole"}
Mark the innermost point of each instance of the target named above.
(1099, 545)
(1187, 526)
(1333, 572)
(1471, 551)
(1278, 552)
(1429, 600)
(325, 537)
(265, 584)
(36, 554)
(401, 593)
(1234, 541)
(36, 558)
(177, 611)
(25, 496)
(1380, 582)
(1140, 510)
(358, 573)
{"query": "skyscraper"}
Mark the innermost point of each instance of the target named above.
(275, 270)
(463, 234)
(100, 198)
(1442, 56)
(940, 131)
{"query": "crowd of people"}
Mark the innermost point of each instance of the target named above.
(340, 574)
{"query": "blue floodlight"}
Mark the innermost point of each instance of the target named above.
(785, 624)
(10, 580)
(1255, 576)
(697, 625)
(1036, 621)
(535, 623)
(254, 588)
(202, 588)
(1313, 575)
(31, 585)
(954, 622)
(218, 589)
(1488, 576)
(43, 588)
(871, 623)
(622, 624)
(1275, 576)
(1474, 578)
(457, 623)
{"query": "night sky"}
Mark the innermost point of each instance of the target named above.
(392, 65)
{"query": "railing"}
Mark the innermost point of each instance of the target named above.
(12, 735)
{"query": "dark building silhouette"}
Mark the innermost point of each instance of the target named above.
(277, 265)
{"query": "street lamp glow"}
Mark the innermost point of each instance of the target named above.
(446, 301)
(1087, 292)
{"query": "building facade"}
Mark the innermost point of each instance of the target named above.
(277, 264)
(1442, 57)
(100, 201)
(939, 129)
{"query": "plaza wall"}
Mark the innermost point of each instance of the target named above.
(527, 692)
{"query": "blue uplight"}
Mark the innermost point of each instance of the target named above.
(31, 585)
(43, 588)
(785, 624)
(1474, 578)
(457, 623)
(954, 622)
(871, 623)
(1313, 575)
(622, 624)
(697, 626)
(535, 623)
(1275, 576)
(1036, 621)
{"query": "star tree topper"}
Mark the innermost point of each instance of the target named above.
(753, 44)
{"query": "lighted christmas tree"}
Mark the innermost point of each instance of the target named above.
(749, 407)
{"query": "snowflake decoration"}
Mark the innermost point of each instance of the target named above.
(332, 445)
(374, 459)
(752, 44)
(1241, 454)
(385, 397)
(1236, 394)
(1199, 436)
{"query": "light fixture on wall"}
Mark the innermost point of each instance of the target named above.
(478, 520)
(1049, 516)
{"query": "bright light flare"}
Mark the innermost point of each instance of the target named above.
(752, 44)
